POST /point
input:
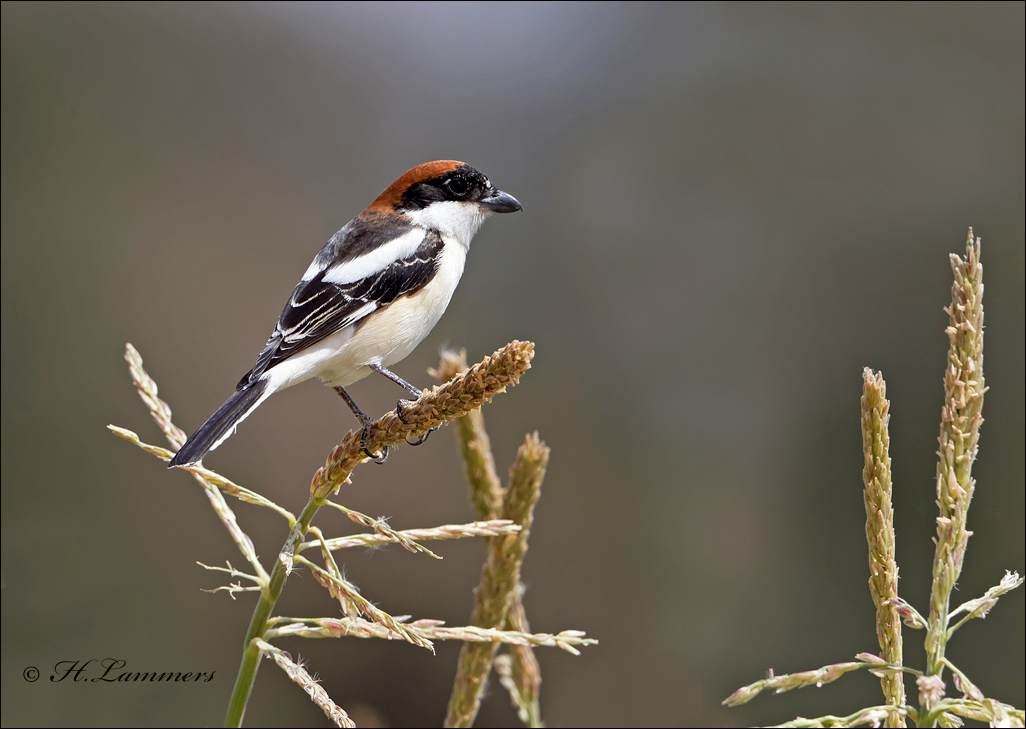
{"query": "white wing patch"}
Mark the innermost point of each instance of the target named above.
(320, 306)
(374, 261)
(315, 268)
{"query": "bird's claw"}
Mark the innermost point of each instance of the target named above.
(399, 408)
(383, 456)
(422, 438)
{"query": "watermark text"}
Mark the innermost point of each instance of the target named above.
(113, 670)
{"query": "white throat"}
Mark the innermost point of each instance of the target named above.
(458, 221)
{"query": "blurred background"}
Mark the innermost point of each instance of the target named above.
(729, 211)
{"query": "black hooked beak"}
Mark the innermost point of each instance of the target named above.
(501, 202)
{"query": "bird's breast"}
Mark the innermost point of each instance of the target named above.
(389, 335)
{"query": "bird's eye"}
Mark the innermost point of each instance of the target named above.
(457, 186)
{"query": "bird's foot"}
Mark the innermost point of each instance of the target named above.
(399, 408)
(422, 438)
(378, 458)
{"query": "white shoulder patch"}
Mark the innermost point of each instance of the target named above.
(374, 261)
(315, 268)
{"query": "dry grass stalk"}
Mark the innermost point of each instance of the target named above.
(161, 413)
(494, 528)
(873, 716)
(883, 569)
(298, 673)
(356, 627)
(523, 680)
(381, 526)
(234, 587)
(979, 607)
(959, 435)
(204, 475)
(354, 604)
(499, 579)
(451, 400)
(789, 681)
(475, 446)
(525, 673)
(443, 403)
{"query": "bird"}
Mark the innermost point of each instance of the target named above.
(370, 296)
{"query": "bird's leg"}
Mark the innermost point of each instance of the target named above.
(399, 406)
(396, 379)
(367, 422)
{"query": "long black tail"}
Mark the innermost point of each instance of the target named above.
(221, 424)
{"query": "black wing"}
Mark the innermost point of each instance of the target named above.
(318, 309)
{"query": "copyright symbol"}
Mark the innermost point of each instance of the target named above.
(30, 674)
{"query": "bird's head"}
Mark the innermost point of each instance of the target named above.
(448, 196)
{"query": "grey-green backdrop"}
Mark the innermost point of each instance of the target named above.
(729, 211)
